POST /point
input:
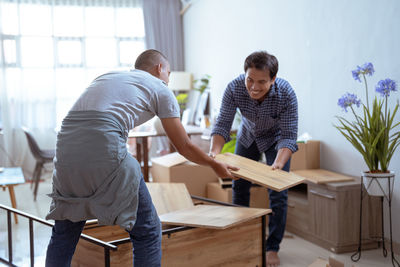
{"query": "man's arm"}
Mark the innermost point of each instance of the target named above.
(217, 143)
(282, 157)
(177, 134)
(221, 130)
(289, 125)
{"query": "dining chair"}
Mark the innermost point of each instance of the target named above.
(41, 156)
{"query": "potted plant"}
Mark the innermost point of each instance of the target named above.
(201, 86)
(373, 133)
(182, 99)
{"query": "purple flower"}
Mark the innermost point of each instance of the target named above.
(366, 69)
(385, 86)
(347, 100)
(356, 73)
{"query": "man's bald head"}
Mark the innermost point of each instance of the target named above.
(150, 58)
(155, 63)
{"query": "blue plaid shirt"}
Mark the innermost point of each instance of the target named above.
(271, 122)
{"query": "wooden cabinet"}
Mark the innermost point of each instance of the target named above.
(329, 214)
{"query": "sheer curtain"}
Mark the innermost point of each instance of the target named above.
(163, 25)
(50, 51)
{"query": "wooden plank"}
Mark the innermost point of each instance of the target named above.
(260, 173)
(211, 216)
(238, 246)
(320, 176)
(168, 197)
(88, 254)
(319, 263)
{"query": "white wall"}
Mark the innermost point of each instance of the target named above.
(317, 44)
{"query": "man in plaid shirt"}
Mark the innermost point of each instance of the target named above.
(269, 125)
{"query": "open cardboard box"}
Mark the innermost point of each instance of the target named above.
(174, 168)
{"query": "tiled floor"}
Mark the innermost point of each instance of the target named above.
(294, 252)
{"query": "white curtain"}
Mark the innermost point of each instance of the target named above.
(163, 25)
(50, 51)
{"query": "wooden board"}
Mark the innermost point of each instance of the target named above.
(211, 216)
(320, 176)
(319, 263)
(169, 197)
(260, 173)
(238, 246)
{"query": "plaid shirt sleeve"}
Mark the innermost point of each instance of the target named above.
(226, 115)
(289, 123)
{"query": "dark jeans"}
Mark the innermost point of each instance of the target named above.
(277, 200)
(145, 236)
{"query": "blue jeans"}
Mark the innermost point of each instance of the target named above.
(145, 236)
(277, 200)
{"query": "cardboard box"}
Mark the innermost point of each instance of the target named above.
(174, 168)
(258, 195)
(307, 157)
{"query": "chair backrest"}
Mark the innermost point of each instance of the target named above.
(37, 153)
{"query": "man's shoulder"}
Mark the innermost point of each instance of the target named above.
(280, 82)
(283, 86)
(237, 82)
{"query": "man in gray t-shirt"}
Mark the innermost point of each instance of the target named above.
(95, 177)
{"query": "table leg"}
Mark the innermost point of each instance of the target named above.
(145, 160)
(13, 201)
(139, 151)
(263, 240)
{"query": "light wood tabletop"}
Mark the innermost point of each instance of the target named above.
(260, 173)
(212, 216)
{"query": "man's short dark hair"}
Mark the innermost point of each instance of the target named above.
(261, 60)
(149, 59)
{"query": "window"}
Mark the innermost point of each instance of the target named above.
(51, 52)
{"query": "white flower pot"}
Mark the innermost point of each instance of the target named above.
(377, 184)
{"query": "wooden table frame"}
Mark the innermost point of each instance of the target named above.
(117, 256)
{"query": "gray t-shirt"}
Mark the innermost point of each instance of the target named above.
(133, 97)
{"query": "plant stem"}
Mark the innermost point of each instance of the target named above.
(366, 90)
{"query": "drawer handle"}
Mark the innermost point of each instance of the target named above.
(321, 194)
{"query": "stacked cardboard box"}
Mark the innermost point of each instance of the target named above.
(174, 168)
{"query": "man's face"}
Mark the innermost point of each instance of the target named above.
(165, 71)
(258, 83)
